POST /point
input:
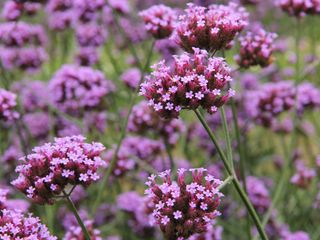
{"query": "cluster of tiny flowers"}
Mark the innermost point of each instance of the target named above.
(75, 232)
(14, 225)
(9, 158)
(266, 103)
(258, 194)
(85, 10)
(308, 97)
(137, 206)
(7, 105)
(90, 35)
(195, 80)
(159, 20)
(299, 8)
(60, 14)
(303, 176)
(19, 34)
(87, 56)
(22, 46)
(211, 28)
(45, 173)
(183, 209)
(32, 94)
(131, 77)
(12, 10)
(144, 119)
(256, 49)
(75, 88)
(133, 149)
(212, 233)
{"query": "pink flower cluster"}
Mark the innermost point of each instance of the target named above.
(74, 88)
(75, 232)
(131, 78)
(19, 34)
(90, 35)
(258, 194)
(60, 14)
(133, 148)
(14, 225)
(308, 97)
(213, 232)
(46, 172)
(138, 207)
(22, 46)
(256, 49)
(303, 176)
(144, 119)
(159, 20)
(211, 28)
(299, 8)
(195, 80)
(13, 10)
(272, 99)
(87, 56)
(7, 105)
(183, 209)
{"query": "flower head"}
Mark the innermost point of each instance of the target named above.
(299, 8)
(14, 225)
(74, 88)
(159, 20)
(75, 232)
(7, 105)
(211, 28)
(144, 119)
(195, 80)
(46, 172)
(183, 209)
(256, 49)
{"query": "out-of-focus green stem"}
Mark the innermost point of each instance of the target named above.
(225, 182)
(252, 212)
(76, 214)
(227, 137)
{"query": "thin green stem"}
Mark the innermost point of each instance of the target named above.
(235, 181)
(225, 182)
(227, 137)
(76, 214)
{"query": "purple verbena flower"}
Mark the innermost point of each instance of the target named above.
(195, 80)
(7, 106)
(46, 172)
(183, 209)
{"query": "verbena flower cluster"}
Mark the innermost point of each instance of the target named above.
(159, 20)
(74, 88)
(75, 232)
(132, 149)
(272, 99)
(144, 119)
(299, 8)
(181, 208)
(22, 46)
(211, 28)
(139, 208)
(258, 194)
(256, 49)
(47, 171)
(13, 11)
(7, 105)
(194, 80)
(14, 225)
(303, 176)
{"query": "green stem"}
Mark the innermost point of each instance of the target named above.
(225, 182)
(227, 137)
(235, 181)
(76, 214)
